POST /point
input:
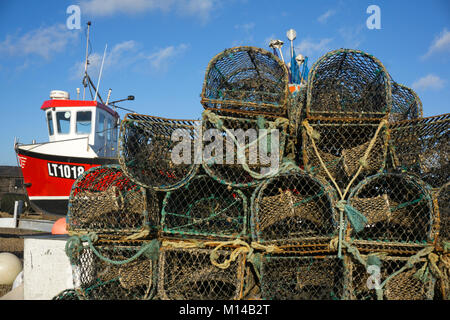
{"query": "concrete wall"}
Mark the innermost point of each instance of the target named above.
(47, 270)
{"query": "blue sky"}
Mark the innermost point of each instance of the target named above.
(158, 50)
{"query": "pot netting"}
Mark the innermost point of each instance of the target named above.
(392, 274)
(293, 207)
(443, 201)
(398, 208)
(240, 152)
(106, 201)
(302, 277)
(246, 79)
(158, 153)
(116, 271)
(189, 274)
(406, 105)
(422, 147)
(348, 83)
(204, 208)
(342, 147)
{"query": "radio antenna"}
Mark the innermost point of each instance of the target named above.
(86, 61)
(100, 74)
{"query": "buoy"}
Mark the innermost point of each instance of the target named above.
(10, 267)
(59, 227)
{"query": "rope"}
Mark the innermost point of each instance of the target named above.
(244, 247)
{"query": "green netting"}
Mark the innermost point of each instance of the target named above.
(443, 208)
(294, 207)
(246, 79)
(204, 208)
(241, 151)
(104, 200)
(398, 208)
(302, 278)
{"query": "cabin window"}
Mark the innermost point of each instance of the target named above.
(63, 121)
(84, 122)
(50, 123)
(109, 130)
(101, 125)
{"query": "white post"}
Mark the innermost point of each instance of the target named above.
(18, 205)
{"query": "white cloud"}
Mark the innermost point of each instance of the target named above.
(440, 44)
(324, 17)
(127, 54)
(429, 81)
(44, 42)
(161, 59)
(308, 47)
(197, 8)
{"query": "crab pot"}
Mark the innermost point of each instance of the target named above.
(398, 208)
(341, 146)
(422, 147)
(348, 83)
(158, 153)
(401, 286)
(443, 201)
(293, 207)
(246, 79)
(115, 271)
(204, 208)
(241, 152)
(104, 200)
(188, 274)
(406, 104)
(301, 278)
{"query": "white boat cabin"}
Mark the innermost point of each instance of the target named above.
(82, 120)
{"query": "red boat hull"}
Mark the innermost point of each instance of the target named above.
(48, 178)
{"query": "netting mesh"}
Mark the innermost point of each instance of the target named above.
(240, 152)
(302, 278)
(115, 271)
(293, 207)
(188, 274)
(443, 201)
(398, 208)
(147, 150)
(406, 105)
(422, 147)
(398, 283)
(105, 200)
(246, 78)
(348, 83)
(340, 146)
(204, 208)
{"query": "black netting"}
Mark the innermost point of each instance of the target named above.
(246, 79)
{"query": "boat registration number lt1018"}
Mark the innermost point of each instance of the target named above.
(66, 171)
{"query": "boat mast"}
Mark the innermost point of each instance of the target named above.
(86, 61)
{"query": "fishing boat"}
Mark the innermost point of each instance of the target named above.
(82, 134)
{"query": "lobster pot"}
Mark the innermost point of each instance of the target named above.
(240, 152)
(104, 200)
(204, 208)
(348, 83)
(422, 147)
(443, 200)
(246, 79)
(340, 146)
(188, 274)
(158, 153)
(400, 286)
(301, 278)
(406, 104)
(115, 271)
(293, 207)
(398, 208)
